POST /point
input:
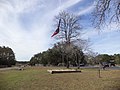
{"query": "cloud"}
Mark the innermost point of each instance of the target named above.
(25, 25)
(87, 9)
(68, 4)
(107, 45)
(105, 41)
(15, 15)
(93, 32)
(62, 6)
(23, 42)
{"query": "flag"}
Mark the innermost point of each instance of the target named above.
(57, 30)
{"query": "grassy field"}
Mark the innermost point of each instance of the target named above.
(37, 78)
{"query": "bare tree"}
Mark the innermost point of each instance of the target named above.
(84, 45)
(106, 11)
(69, 30)
(91, 57)
(69, 27)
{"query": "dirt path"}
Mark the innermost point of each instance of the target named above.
(10, 68)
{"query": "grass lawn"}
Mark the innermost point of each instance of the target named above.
(37, 78)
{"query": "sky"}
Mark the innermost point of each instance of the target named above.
(26, 26)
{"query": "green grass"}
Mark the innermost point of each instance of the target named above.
(37, 78)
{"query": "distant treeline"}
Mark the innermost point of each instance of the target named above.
(56, 56)
(103, 58)
(59, 56)
(7, 57)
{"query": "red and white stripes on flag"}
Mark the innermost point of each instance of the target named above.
(57, 30)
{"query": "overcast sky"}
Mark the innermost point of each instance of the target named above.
(26, 26)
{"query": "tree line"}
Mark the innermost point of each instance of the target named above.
(56, 56)
(100, 58)
(7, 56)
